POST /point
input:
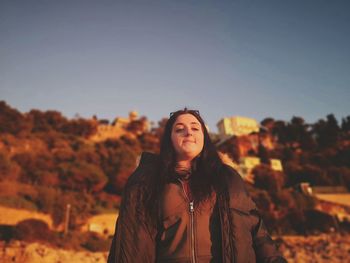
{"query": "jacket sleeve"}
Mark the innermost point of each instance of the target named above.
(133, 241)
(264, 246)
(240, 199)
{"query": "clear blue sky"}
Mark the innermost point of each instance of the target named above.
(249, 58)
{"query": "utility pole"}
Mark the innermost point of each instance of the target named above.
(66, 221)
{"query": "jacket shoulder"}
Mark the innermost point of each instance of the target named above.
(239, 197)
(233, 179)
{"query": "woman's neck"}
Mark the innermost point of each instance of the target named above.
(183, 169)
(184, 165)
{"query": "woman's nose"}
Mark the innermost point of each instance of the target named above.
(189, 132)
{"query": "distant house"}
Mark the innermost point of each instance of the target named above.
(116, 129)
(103, 224)
(276, 165)
(242, 137)
(247, 164)
(237, 126)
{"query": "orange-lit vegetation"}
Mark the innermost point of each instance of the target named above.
(48, 161)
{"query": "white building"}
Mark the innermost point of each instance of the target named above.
(237, 126)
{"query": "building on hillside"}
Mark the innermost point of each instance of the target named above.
(123, 122)
(237, 126)
(246, 166)
(248, 163)
(276, 165)
(117, 128)
(103, 224)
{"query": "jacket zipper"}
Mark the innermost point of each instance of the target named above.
(191, 210)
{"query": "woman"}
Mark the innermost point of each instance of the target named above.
(186, 205)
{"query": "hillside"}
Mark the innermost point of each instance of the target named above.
(49, 162)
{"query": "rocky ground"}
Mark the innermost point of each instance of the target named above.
(19, 252)
(322, 248)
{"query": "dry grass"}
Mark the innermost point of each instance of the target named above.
(341, 199)
(12, 216)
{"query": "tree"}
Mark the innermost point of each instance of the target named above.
(54, 119)
(8, 168)
(342, 157)
(158, 131)
(138, 126)
(88, 154)
(268, 124)
(268, 179)
(28, 167)
(298, 132)
(231, 147)
(11, 120)
(125, 163)
(279, 130)
(81, 176)
(80, 127)
(306, 173)
(293, 171)
(327, 131)
(345, 124)
(340, 175)
(263, 154)
(39, 120)
(149, 142)
(284, 200)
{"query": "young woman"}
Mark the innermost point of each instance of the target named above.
(186, 205)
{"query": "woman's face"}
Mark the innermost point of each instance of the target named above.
(187, 137)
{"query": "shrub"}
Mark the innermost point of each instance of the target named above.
(6, 232)
(33, 230)
(320, 221)
(297, 221)
(95, 243)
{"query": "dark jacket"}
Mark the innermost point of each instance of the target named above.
(244, 236)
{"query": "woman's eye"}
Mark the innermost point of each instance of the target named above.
(183, 129)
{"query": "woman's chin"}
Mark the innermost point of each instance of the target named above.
(189, 155)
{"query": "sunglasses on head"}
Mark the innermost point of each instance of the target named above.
(195, 112)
